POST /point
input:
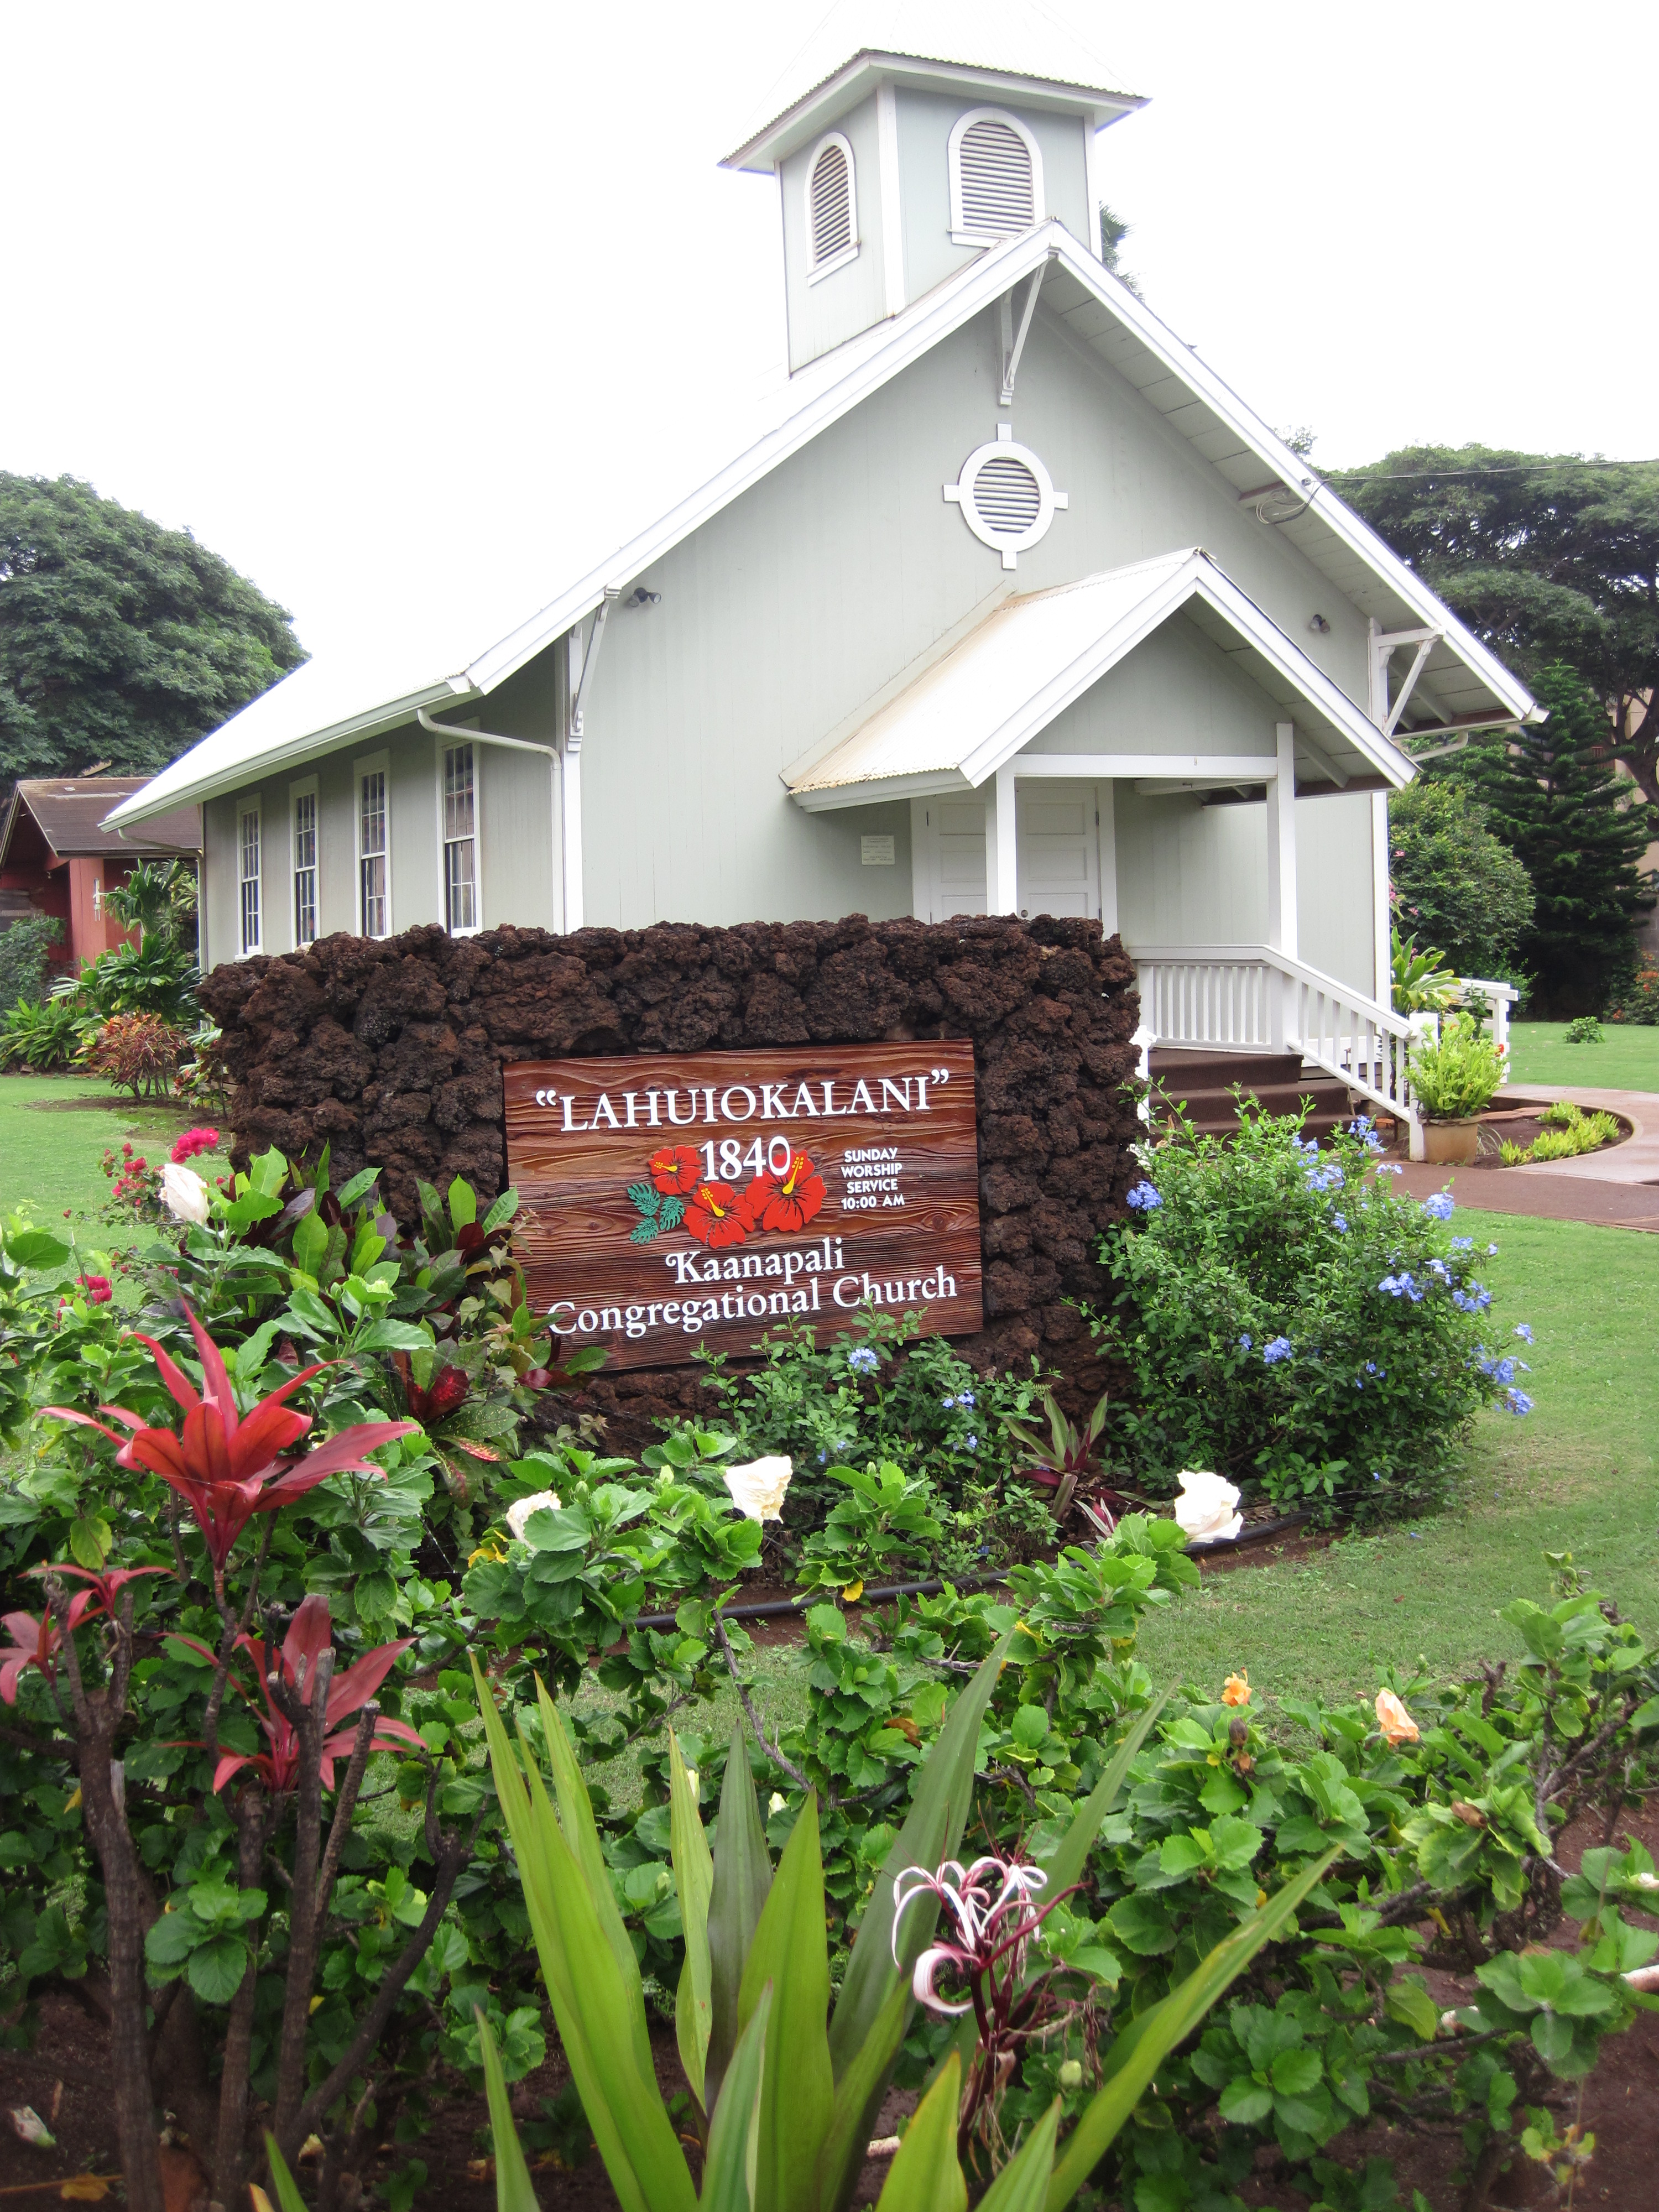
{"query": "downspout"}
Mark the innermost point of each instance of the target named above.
(491, 738)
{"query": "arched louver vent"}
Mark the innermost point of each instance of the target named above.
(997, 191)
(1007, 498)
(830, 203)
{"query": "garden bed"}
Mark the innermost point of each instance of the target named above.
(1520, 1121)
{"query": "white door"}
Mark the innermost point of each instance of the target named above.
(948, 848)
(1058, 847)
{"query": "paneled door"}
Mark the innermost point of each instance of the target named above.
(947, 843)
(1058, 848)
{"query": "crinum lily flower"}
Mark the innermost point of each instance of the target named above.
(988, 1909)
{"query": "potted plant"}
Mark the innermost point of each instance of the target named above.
(1453, 1076)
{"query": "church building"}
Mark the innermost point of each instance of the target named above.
(1013, 606)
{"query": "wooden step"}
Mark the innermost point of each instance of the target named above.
(1280, 1083)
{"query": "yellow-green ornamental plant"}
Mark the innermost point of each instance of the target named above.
(789, 2092)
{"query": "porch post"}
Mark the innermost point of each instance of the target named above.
(1281, 875)
(1001, 858)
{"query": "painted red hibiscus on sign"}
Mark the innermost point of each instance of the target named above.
(788, 1201)
(675, 1169)
(716, 1216)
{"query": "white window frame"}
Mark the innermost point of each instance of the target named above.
(370, 764)
(960, 233)
(244, 816)
(306, 787)
(817, 271)
(446, 745)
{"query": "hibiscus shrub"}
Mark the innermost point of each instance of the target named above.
(1292, 1320)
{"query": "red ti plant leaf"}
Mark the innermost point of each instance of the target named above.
(445, 1391)
(225, 1465)
(308, 1636)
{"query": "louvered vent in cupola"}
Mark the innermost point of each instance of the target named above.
(996, 178)
(832, 218)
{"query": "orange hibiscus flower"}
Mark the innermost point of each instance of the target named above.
(787, 1201)
(675, 1169)
(716, 1216)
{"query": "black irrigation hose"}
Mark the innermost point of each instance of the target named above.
(777, 1608)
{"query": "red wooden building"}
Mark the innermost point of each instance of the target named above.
(57, 858)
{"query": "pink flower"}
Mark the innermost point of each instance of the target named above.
(193, 1141)
(97, 1289)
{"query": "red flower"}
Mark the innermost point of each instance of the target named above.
(717, 1217)
(194, 1141)
(97, 1288)
(308, 1636)
(228, 1466)
(675, 1169)
(786, 1202)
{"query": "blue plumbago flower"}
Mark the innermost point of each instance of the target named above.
(1475, 1299)
(1501, 1371)
(1492, 1251)
(1416, 1536)
(1330, 1178)
(1389, 1166)
(1440, 1205)
(1517, 1401)
(1439, 1268)
(1244, 1342)
(1339, 1221)
(965, 1398)
(1523, 1330)
(1376, 1475)
(1278, 1350)
(1365, 1128)
(947, 1401)
(824, 1459)
(1405, 1285)
(1462, 1243)
(1372, 1367)
(1143, 1197)
(862, 1360)
(970, 1443)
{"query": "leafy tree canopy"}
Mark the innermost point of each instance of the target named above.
(1457, 887)
(120, 641)
(1547, 557)
(1551, 794)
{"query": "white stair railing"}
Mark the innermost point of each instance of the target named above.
(1248, 998)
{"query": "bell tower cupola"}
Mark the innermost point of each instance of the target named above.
(898, 163)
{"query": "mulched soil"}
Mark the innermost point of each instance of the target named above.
(1520, 1125)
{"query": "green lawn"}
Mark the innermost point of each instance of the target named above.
(1626, 1060)
(54, 1130)
(1579, 1473)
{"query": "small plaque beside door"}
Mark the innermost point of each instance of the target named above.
(876, 852)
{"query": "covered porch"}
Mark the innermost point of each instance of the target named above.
(1147, 748)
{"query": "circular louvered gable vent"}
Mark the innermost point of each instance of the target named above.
(1006, 496)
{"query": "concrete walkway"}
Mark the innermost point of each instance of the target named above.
(1617, 1187)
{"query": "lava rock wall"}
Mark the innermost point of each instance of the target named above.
(391, 1051)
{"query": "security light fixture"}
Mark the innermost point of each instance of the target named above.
(641, 597)
(1320, 626)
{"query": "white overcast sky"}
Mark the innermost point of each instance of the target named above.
(402, 308)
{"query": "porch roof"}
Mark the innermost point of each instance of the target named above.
(985, 700)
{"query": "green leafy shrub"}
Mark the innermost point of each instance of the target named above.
(1290, 1320)
(1422, 981)
(158, 977)
(1454, 1075)
(1584, 1029)
(25, 956)
(43, 1037)
(1455, 885)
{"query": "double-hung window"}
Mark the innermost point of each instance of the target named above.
(460, 841)
(373, 870)
(247, 841)
(305, 866)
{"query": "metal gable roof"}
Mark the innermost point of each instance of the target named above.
(68, 811)
(317, 707)
(983, 701)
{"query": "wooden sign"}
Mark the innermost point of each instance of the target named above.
(677, 1199)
